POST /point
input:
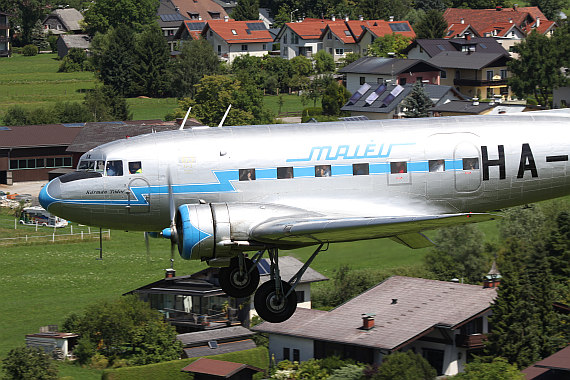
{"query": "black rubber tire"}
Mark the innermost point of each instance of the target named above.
(268, 309)
(235, 285)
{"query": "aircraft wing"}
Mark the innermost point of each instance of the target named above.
(402, 229)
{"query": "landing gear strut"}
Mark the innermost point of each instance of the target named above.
(241, 278)
(275, 301)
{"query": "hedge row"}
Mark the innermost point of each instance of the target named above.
(257, 357)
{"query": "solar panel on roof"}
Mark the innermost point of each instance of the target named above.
(172, 17)
(347, 33)
(483, 46)
(5, 129)
(440, 47)
(390, 98)
(358, 94)
(73, 125)
(372, 97)
(400, 27)
(255, 26)
(196, 25)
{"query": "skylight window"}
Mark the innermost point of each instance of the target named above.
(347, 33)
(234, 32)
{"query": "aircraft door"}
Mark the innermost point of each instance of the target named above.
(139, 196)
(467, 161)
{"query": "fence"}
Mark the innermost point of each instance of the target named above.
(56, 237)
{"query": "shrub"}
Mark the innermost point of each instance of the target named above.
(29, 363)
(30, 50)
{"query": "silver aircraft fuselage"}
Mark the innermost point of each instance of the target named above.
(417, 167)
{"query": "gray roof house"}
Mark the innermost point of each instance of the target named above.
(62, 21)
(446, 322)
(384, 101)
(169, 20)
(66, 42)
(383, 70)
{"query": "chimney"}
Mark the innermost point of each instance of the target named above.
(333, 18)
(226, 18)
(391, 18)
(199, 17)
(346, 18)
(537, 21)
(475, 101)
(360, 18)
(367, 321)
(515, 7)
(498, 8)
(511, 20)
(170, 273)
(462, 20)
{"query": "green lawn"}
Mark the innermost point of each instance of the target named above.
(33, 82)
(291, 103)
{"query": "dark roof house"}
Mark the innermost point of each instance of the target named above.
(211, 369)
(65, 42)
(554, 367)
(443, 321)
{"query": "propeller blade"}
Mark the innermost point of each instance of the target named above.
(171, 205)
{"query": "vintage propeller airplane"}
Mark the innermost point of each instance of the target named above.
(220, 192)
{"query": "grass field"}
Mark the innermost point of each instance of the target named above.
(33, 82)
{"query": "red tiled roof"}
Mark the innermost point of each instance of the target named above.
(341, 31)
(380, 29)
(217, 367)
(544, 26)
(459, 29)
(309, 29)
(238, 32)
(203, 8)
(195, 34)
(486, 19)
(502, 28)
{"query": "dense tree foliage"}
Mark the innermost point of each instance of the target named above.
(550, 8)
(324, 62)
(214, 93)
(431, 25)
(75, 60)
(498, 369)
(29, 363)
(405, 366)
(388, 44)
(537, 70)
(418, 103)
(105, 104)
(132, 14)
(124, 329)
(246, 10)
(459, 252)
(151, 65)
(334, 97)
(197, 59)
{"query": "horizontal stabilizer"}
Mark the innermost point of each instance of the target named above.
(413, 240)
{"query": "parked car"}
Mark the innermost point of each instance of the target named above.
(3, 195)
(23, 197)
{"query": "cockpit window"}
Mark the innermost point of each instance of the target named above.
(114, 168)
(135, 167)
(100, 166)
(86, 165)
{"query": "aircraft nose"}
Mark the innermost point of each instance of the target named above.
(50, 193)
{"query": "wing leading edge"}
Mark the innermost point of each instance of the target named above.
(405, 230)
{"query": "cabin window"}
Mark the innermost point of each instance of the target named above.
(247, 174)
(322, 171)
(470, 163)
(135, 167)
(436, 165)
(285, 172)
(360, 169)
(114, 168)
(398, 167)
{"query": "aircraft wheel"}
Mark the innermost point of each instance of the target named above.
(271, 307)
(236, 284)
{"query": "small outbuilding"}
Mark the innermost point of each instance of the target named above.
(66, 42)
(57, 344)
(209, 369)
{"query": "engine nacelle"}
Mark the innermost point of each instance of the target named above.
(216, 232)
(195, 228)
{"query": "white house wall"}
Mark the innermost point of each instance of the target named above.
(278, 342)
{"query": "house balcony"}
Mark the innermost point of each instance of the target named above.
(479, 82)
(470, 341)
